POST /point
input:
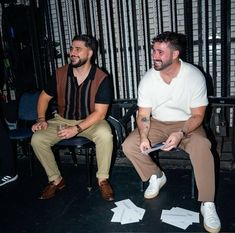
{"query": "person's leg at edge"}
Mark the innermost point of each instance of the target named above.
(203, 165)
(7, 161)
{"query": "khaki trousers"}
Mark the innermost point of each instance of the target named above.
(99, 133)
(195, 144)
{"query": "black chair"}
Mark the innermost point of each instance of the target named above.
(27, 114)
(177, 154)
(119, 133)
(81, 145)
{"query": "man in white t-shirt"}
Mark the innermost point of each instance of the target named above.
(172, 100)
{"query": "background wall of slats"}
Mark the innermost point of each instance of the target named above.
(124, 29)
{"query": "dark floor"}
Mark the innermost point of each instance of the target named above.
(74, 210)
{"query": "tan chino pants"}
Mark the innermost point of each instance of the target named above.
(100, 134)
(195, 144)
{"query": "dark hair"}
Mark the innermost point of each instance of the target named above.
(90, 42)
(177, 40)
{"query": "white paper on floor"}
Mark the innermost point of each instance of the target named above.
(179, 217)
(127, 212)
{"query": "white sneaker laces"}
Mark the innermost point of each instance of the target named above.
(6, 178)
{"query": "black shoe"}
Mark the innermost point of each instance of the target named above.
(7, 179)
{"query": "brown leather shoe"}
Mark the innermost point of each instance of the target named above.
(106, 190)
(51, 189)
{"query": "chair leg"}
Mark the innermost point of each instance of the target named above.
(74, 157)
(141, 186)
(56, 152)
(88, 167)
(92, 154)
(27, 150)
(192, 185)
(31, 159)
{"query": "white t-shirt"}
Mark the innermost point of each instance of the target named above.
(173, 102)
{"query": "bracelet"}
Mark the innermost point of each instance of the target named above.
(79, 129)
(183, 132)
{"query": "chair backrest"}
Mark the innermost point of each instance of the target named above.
(28, 106)
(118, 129)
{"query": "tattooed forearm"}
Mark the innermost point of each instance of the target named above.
(143, 122)
(144, 119)
(146, 122)
(143, 126)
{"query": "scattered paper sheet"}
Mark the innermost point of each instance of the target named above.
(127, 212)
(179, 217)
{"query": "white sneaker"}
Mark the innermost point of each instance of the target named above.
(7, 179)
(155, 185)
(211, 219)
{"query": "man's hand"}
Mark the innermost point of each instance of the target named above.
(144, 145)
(173, 141)
(67, 132)
(39, 125)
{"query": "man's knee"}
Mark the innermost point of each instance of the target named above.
(201, 141)
(198, 148)
(107, 137)
(36, 139)
(124, 146)
(127, 147)
(104, 135)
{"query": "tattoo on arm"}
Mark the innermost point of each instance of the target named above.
(143, 123)
(144, 119)
(146, 122)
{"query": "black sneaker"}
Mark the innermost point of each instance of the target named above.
(7, 179)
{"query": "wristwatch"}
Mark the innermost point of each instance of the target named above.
(79, 129)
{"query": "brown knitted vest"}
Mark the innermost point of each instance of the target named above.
(61, 78)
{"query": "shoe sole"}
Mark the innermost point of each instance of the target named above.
(109, 199)
(9, 181)
(211, 230)
(156, 194)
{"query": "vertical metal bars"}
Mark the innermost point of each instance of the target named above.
(124, 30)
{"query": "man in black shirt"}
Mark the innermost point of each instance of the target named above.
(83, 95)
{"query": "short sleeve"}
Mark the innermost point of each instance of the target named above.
(143, 95)
(104, 94)
(199, 97)
(50, 88)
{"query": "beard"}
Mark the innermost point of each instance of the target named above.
(80, 63)
(161, 65)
